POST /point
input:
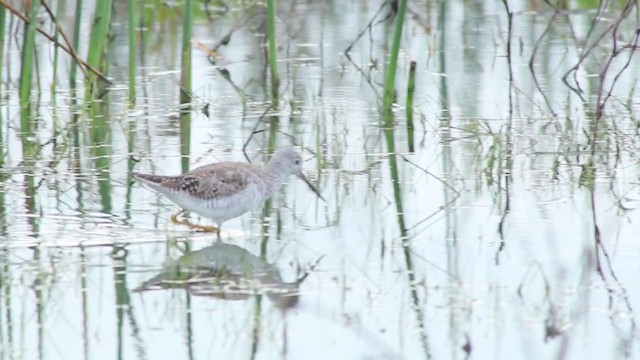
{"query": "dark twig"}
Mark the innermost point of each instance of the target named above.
(255, 131)
(532, 60)
(309, 270)
(508, 153)
(586, 50)
(69, 50)
(615, 53)
(601, 255)
(602, 97)
(368, 27)
(601, 251)
(64, 37)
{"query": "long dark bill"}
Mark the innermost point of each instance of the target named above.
(311, 186)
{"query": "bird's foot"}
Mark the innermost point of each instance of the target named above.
(203, 228)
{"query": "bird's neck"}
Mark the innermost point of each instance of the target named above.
(276, 176)
(273, 165)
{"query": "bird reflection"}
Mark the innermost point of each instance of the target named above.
(227, 272)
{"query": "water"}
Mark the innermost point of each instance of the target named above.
(515, 248)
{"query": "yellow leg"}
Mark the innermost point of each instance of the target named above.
(203, 228)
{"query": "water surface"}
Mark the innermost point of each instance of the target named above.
(519, 204)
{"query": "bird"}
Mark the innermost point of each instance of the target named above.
(225, 190)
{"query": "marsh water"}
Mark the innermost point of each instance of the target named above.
(509, 230)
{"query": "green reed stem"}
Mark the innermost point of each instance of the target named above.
(84, 272)
(389, 95)
(121, 296)
(148, 17)
(257, 328)
(30, 189)
(2, 155)
(3, 17)
(100, 127)
(185, 139)
(76, 41)
(3, 208)
(98, 42)
(389, 85)
(185, 86)
(26, 69)
(56, 53)
(40, 297)
(406, 245)
(411, 87)
(268, 205)
(188, 314)
(395, 180)
(131, 141)
(101, 150)
(388, 99)
(132, 52)
(273, 50)
(3, 24)
(7, 278)
(185, 71)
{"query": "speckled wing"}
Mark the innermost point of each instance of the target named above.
(207, 182)
(217, 180)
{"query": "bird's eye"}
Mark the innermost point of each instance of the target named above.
(297, 161)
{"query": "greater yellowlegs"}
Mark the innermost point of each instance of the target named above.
(226, 190)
